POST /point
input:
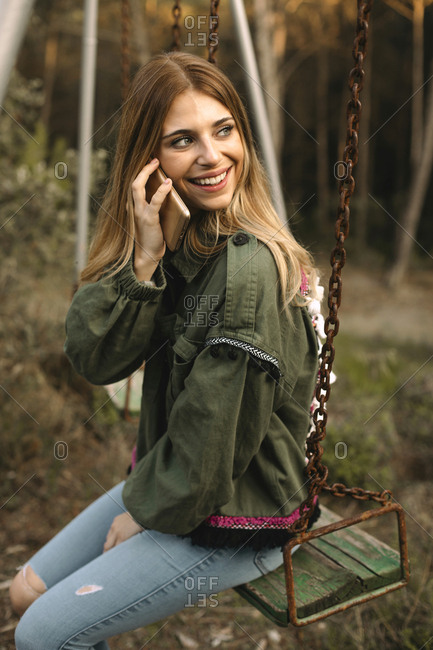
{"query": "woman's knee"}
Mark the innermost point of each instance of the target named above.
(32, 631)
(26, 587)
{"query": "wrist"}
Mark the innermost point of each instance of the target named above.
(144, 269)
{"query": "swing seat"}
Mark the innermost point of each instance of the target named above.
(331, 571)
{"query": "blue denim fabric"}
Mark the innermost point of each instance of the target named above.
(146, 578)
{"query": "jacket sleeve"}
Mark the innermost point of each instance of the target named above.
(109, 325)
(216, 426)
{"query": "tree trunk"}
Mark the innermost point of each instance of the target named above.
(139, 32)
(417, 194)
(322, 87)
(51, 48)
(362, 172)
(417, 83)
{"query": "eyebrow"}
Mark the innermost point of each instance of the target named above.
(183, 131)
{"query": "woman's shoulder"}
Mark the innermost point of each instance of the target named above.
(249, 256)
(251, 284)
(245, 270)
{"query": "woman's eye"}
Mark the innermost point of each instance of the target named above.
(226, 130)
(184, 141)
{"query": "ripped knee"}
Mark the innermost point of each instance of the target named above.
(88, 589)
(26, 587)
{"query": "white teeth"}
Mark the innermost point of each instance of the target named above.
(214, 180)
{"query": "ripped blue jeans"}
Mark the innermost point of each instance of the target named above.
(92, 596)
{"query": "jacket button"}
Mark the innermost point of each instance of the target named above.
(215, 350)
(240, 239)
(232, 353)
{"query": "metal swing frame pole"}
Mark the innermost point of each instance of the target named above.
(85, 133)
(14, 20)
(260, 115)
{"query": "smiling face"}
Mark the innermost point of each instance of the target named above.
(201, 151)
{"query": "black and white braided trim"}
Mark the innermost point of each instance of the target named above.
(252, 350)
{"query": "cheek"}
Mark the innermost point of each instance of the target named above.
(174, 166)
(241, 164)
(238, 152)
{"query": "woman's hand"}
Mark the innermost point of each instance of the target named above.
(149, 240)
(122, 528)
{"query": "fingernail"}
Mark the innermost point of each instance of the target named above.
(155, 160)
(167, 181)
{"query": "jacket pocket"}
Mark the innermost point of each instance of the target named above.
(184, 354)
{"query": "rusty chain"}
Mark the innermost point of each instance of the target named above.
(212, 40)
(175, 29)
(125, 51)
(316, 472)
(340, 490)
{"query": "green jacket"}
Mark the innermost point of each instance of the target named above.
(227, 390)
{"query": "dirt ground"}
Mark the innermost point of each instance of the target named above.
(30, 515)
(370, 309)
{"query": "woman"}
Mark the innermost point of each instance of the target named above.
(231, 362)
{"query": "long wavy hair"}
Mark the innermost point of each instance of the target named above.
(151, 94)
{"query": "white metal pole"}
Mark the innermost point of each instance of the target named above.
(87, 100)
(260, 115)
(14, 16)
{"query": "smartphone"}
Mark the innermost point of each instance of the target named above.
(173, 215)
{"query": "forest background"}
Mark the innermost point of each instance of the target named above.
(62, 442)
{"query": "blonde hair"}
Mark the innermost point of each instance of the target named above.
(152, 92)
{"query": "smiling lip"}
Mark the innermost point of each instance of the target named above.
(207, 187)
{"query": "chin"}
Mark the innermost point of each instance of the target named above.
(221, 203)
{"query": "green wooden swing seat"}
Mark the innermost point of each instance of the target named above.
(330, 573)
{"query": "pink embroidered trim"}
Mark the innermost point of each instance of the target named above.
(251, 523)
(305, 286)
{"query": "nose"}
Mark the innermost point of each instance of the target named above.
(209, 154)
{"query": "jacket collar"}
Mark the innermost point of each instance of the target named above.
(189, 264)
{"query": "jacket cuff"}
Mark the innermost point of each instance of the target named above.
(136, 290)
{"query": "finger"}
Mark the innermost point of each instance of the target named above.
(109, 541)
(139, 183)
(147, 170)
(161, 193)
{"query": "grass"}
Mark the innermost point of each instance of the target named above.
(379, 428)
